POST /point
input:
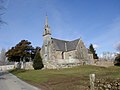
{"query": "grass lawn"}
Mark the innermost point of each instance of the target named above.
(76, 78)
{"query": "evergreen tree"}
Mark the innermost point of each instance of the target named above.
(91, 48)
(37, 63)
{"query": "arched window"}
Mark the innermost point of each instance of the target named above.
(62, 55)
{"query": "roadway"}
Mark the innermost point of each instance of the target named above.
(10, 82)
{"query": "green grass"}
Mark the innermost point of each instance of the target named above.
(76, 78)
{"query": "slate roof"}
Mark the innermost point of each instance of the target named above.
(62, 45)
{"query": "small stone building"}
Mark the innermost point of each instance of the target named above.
(58, 53)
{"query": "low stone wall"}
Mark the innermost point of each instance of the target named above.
(67, 61)
(104, 63)
(27, 65)
(107, 84)
(6, 67)
(62, 63)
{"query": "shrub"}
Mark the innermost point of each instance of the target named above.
(37, 62)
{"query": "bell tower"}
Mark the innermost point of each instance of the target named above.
(46, 40)
(46, 33)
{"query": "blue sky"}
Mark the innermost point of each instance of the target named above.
(95, 21)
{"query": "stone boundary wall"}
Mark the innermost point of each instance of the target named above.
(6, 67)
(62, 63)
(107, 84)
(67, 61)
(27, 65)
(104, 63)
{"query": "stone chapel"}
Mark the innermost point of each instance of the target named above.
(58, 53)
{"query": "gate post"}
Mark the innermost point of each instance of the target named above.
(92, 80)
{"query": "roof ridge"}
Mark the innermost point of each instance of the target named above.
(60, 40)
(66, 40)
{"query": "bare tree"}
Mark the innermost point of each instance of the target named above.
(2, 55)
(108, 56)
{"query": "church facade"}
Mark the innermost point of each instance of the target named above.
(58, 53)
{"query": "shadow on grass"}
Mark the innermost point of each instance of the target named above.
(16, 71)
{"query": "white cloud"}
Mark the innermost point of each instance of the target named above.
(117, 46)
(95, 46)
(107, 40)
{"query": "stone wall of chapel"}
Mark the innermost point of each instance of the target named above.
(90, 59)
(70, 55)
(42, 52)
(58, 55)
(50, 51)
(65, 55)
(82, 51)
(90, 56)
(46, 50)
(53, 53)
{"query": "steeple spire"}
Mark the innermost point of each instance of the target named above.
(46, 21)
(46, 28)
